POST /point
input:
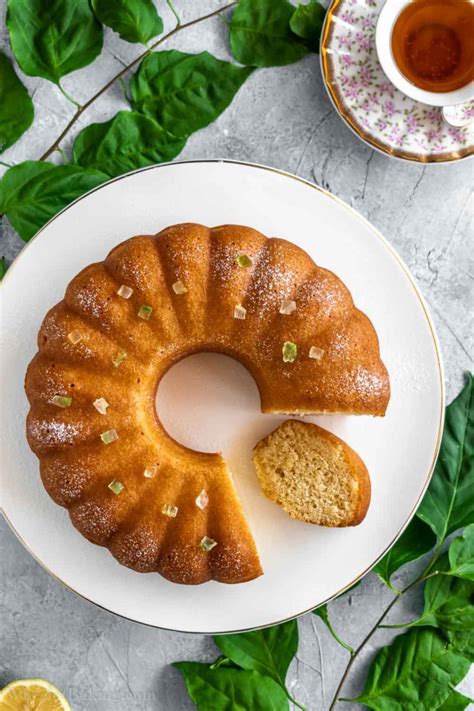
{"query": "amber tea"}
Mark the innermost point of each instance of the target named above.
(433, 44)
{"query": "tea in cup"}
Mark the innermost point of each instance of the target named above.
(426, 48)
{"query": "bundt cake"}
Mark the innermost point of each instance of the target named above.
(314, 475)
(123, 323)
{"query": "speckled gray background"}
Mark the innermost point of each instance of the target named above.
(282, 117)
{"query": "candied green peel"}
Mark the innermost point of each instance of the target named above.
(289, 351)
(116, 486)
(244, 261)
(62, 401)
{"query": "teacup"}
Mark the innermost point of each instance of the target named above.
(383, 40)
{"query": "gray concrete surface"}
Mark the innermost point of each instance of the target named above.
(282, 117)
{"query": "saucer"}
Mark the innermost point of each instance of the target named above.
(370, 104)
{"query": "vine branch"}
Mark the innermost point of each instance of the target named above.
(80, 109)
(398, 595)
(361, 646)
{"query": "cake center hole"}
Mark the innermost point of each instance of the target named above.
(205, 400)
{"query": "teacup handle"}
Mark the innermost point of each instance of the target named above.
(458, 115)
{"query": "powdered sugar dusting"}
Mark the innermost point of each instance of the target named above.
(366, 382)
(56, 331)
(325, 289)
(138, 549)
(88, 300)
(52, 432)
(96, 520)
(67, 481)
(223, 265)
(340, 343)
(271, 285)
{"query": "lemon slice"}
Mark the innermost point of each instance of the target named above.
(32, 695)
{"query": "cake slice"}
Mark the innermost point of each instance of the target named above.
(313, 475)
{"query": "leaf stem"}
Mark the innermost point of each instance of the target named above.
(106, 87)
(338, 639)
(69, 98)
(124, 89)
(63, 155)
(395, 591)
(173, 10)
(426, 573)
(293, 700)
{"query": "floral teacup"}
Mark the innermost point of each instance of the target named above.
(383, 40)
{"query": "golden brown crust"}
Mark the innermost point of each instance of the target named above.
(363, 478)
(354, 468)
(76, 467)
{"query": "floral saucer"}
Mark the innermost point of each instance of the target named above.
(370, 104)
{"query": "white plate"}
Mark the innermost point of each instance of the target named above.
(210, 402)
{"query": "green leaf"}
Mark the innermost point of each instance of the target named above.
(455, 702)
(415, 541)
(322, 612)
(126, 142)
(449, 502)
(16, 107)
(461, 554)
(448, 604)
(268, 651)
(134, 20)
(448, 601)
(51, 38)
(226, 689)
(185, 92)
(307, 23)
(261, 36)
(417, 671)
(3, 267)
(33, 191)
(463, 642)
